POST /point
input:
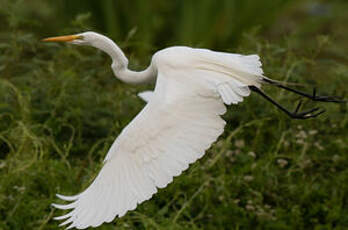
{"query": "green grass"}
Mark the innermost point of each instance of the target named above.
(61, 108)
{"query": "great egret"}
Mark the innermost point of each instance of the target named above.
(180, 121)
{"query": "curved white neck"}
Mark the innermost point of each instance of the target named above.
(120, 63)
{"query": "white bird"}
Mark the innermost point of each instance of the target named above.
(181, 120)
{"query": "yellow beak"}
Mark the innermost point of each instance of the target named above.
(67, 38)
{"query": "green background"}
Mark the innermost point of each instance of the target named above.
(61, 108)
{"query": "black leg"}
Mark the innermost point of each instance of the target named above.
(295, 115)
(312, 96)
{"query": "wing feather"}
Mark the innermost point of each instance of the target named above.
(174, 129)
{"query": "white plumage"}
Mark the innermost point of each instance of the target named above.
(178, 124)
(146, 95)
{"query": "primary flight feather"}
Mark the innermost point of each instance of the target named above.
(180, 121)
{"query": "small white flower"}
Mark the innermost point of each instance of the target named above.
(302, 134)
(239, 143)
(249, 207)
(236, 201)
(252, 154)
(248, 178)
(313, 132)
(336, 158)
(300, 141)
(282, 162)
(318, 145)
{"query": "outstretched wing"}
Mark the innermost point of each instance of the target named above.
(174, 129)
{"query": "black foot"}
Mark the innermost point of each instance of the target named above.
(335, 99)
(313, 97)
(307, 114)
(296, 114)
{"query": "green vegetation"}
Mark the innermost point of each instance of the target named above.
(61, 109)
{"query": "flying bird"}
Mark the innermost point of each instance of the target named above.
(180, 121)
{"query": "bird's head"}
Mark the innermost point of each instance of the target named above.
(96, 40)
(86, 38)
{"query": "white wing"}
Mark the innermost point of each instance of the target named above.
(145, 95)
(174, 129)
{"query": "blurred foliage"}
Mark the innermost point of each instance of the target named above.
(157, 23)
(61, 108)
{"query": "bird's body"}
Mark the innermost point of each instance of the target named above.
(178, 124)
